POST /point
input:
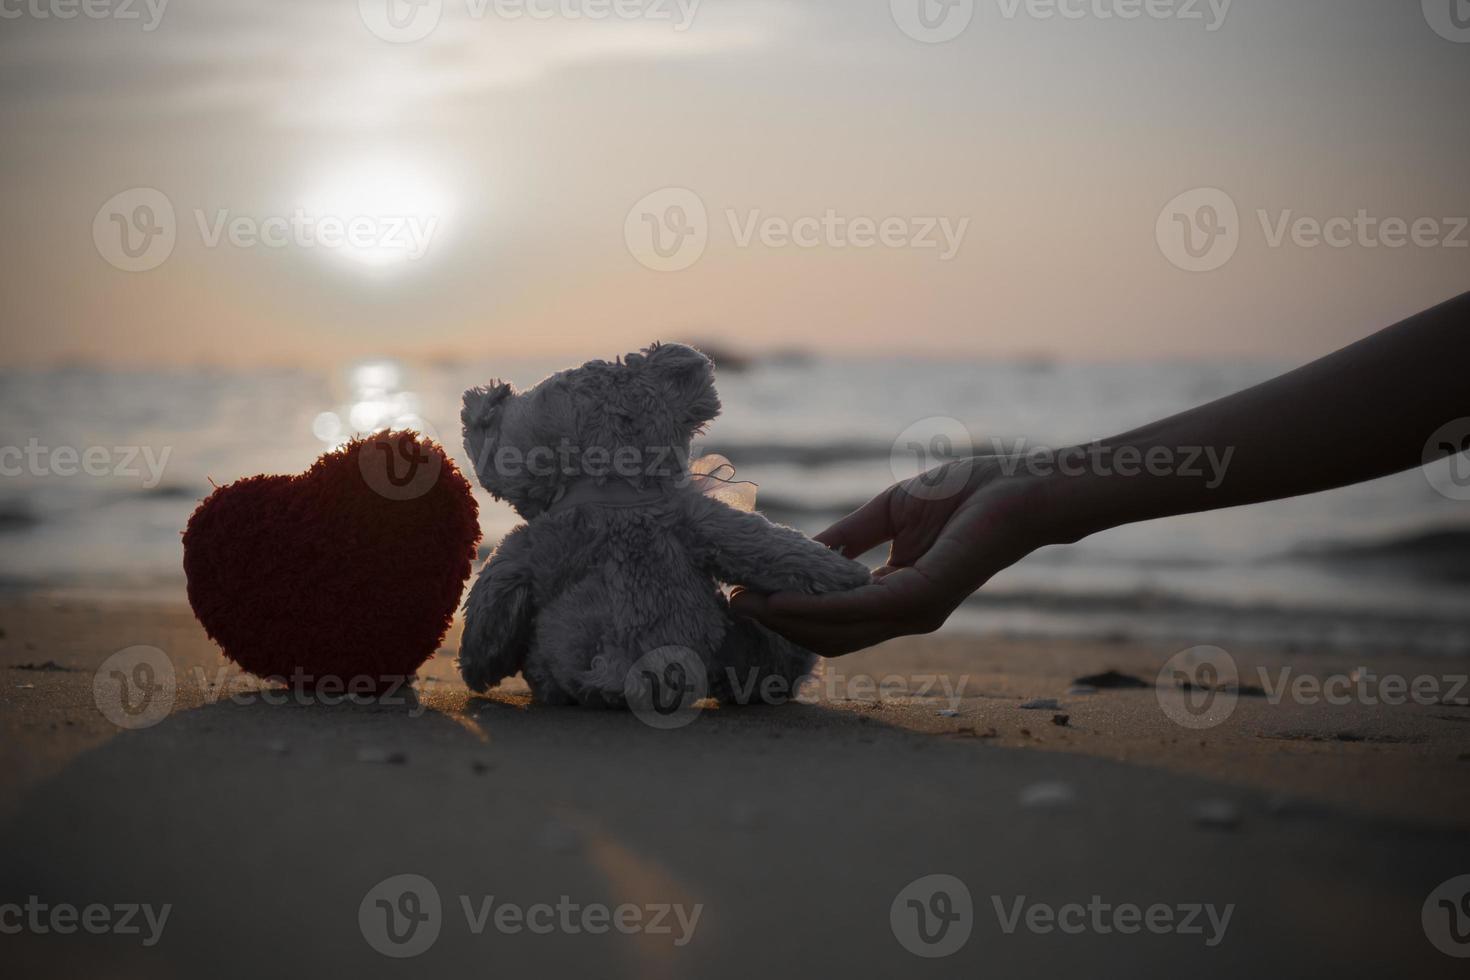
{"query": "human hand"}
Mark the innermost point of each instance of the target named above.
(950, 529)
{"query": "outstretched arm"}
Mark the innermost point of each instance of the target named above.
(748, 550)
(1361, 413)
(498, 615)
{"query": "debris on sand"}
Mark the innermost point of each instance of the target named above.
(1282, 805)
(949, 713)
(25, 687)
(380, 757)
(1048, 796)
(1241, 690)
(1080, 690)
(479, 767)
(1111, 679)
(1061, 721)
(49, 667)
(1217, 815)
(1041, 704)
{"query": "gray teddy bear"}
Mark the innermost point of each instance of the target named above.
(623, 548)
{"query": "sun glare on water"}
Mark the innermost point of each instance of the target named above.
(377, 400)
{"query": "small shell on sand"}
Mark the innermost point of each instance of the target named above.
(1041, 704)
(949, 713)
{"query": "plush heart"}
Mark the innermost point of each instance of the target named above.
(349, 571)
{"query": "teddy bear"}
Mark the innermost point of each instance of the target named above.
(625, 544)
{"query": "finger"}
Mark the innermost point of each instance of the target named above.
(862, 530)
(896, 597)
(829, 639)
(744, 602)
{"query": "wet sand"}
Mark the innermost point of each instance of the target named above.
(264, 825)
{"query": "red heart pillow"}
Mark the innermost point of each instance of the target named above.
(349, 571)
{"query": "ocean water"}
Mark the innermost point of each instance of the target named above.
(1379, 567)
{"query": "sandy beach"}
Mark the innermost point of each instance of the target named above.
(264, 823)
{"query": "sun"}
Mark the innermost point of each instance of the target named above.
(377, 213)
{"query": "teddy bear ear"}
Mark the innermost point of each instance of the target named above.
(688, 380)
(480, 405)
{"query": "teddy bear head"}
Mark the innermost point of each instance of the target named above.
(628, 421)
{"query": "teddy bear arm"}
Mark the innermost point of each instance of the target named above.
(498, 615)
(746, 549)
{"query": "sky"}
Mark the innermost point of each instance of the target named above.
(311, 181)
